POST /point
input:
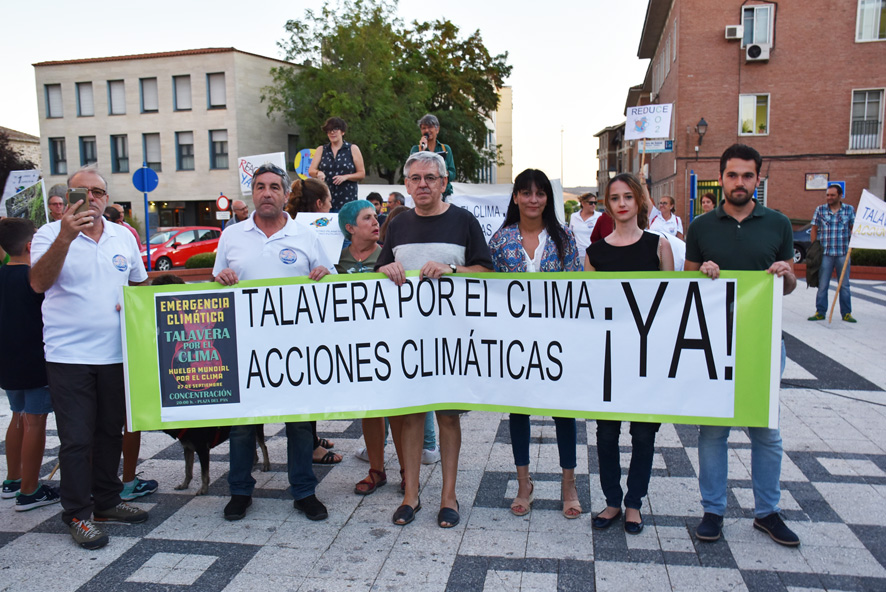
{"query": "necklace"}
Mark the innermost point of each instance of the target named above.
(355, 252)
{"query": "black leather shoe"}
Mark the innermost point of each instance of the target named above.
(601, 523)
(236, 508)
(312, 508)
(775, 527)
(634, 527)
(710, 527)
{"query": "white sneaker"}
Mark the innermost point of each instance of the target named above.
(429, 457)
(362, 454)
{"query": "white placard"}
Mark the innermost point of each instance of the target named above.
(326, 225)
(248, 164)
(869, 231)
(649, 121)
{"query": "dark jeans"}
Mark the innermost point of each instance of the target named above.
(299, 456)
(642, 444)
(519, 425)
(89, 412)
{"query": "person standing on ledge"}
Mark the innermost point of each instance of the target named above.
(430, 127)
(339, 163)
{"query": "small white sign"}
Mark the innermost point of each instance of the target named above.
(326, 225)
(649, 121)
(223, 215)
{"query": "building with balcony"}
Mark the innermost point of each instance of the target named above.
(802, 82)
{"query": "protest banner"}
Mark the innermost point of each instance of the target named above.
(28, 203)
(247, 164)
(869, 232)
(665, 347)
(325, 225)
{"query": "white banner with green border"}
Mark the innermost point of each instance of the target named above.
(663, 347)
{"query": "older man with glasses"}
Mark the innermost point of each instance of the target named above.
(583, 221)
(269, 244)
(241, 212)
(437, 239)
(80, 263)
(56, 202)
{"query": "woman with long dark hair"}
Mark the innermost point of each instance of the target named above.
(628, 248)
(532, 239)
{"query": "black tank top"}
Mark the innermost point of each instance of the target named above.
(640, 256)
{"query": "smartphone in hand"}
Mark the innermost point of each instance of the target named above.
(75, 195)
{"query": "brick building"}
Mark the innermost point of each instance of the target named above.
(802, 82)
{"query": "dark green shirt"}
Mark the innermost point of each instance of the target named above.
(755, 243)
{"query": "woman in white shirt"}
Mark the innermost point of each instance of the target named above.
(582, 222)
(668, 221)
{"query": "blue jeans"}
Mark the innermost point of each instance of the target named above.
(640, 470)
(430, 441)
(828, 264)
(566, 440)
(713, 466)
(299, 452)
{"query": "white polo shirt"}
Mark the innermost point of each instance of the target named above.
(81, 324)
(293, 250)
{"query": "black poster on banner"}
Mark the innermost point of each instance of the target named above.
(197, 349)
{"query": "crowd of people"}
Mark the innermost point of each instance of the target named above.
(59, 298)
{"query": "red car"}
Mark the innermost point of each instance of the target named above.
(172, 247)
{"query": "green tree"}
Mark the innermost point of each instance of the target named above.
(380, 78)
(357, 80)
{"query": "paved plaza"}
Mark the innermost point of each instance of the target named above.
(833, 419)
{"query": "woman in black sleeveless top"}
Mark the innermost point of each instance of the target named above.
(628, 248)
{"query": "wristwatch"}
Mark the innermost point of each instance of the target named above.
(453, 267)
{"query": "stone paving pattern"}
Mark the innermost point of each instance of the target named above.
(833, 418)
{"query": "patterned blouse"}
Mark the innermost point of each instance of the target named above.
(508, 254)
(341, 164)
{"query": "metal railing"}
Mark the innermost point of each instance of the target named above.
(865, 134)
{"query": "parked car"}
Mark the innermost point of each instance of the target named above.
(802, 242)
(171, 247)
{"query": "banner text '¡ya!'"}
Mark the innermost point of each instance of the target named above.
(355, 300)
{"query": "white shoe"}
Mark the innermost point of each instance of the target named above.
(429, 457)
(362, 454)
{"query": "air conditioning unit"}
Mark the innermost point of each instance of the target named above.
(757, 52)
(734, 32)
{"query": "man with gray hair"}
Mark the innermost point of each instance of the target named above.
(269, 244)
(430, 127)
(435, 238)
(80, 263)
(55, 201)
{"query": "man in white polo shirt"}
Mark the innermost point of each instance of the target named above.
(80, 262)
(269, 244)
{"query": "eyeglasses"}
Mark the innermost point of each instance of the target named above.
(96, 191)
(429, 179)
(268, 168)
(593, 203)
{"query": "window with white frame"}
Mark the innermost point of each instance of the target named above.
(88, 152)
(182, 92)
(667, 57)
(54, 100)
(753, 115)
(119, 154)
(58, 162)
(757, 22)
(215, 89)
(218, 149)
(150, 100)
(151, 150)
(871, 22)
(116, 97)
(866, 131)
(184, 151)
(674, 42)
(85, 100)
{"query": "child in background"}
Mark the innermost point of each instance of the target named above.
(23, 370)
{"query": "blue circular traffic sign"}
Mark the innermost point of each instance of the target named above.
(145, 179)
